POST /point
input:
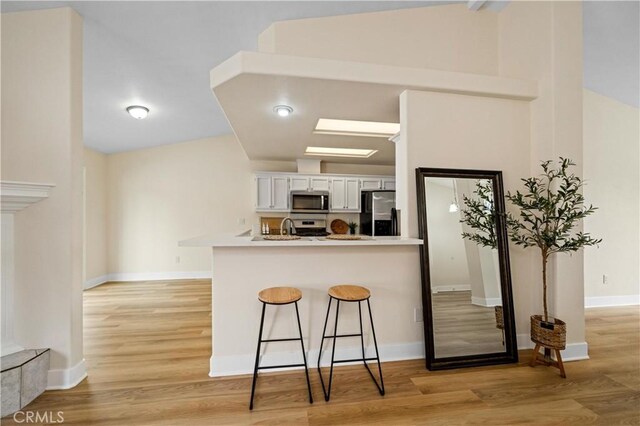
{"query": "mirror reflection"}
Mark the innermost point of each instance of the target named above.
(464, 267)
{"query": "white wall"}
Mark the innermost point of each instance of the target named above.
(539, 41)
(161, 195)
(447, 37)
(447, 257)
(479, 133)
(611, 169)
(95, 196)
(542, 41)
(42, 142)
(140, 203)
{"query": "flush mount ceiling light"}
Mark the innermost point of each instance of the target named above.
(340, 152)
(138, 111)
(376, 129)
(283, 110)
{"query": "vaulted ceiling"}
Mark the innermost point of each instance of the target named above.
(159, 54)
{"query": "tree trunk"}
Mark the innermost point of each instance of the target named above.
(545, 256)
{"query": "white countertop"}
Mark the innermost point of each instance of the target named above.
(248, 241)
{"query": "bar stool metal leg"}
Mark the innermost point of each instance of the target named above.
(375, 344)
(255, 368)
(333, 351)
(327, 390)
(324, 333)
(304, 357)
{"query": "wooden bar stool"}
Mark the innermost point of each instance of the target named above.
(349, 293)
(279, 296)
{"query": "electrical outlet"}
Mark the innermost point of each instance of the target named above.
(605, 279)
(241, 221)
(417, 315)
(177, 259)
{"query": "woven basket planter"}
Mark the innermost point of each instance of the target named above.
(550, 335)
(499, 317)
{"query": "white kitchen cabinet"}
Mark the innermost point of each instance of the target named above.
(370, 184)
(272, 193)
(389, 184)
(345, 195)
(299, 183)
(319, 183)
(309, 183)
(273, 189)
(280, 193)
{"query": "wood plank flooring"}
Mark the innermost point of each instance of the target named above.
(147, 348)
(462, 328)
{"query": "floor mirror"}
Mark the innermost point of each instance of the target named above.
(466, 281)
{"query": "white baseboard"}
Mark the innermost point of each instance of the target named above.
(66, 378)
(146, 276)
(93, 282)
(573, 351)
(231, 365)
(445, 288)
(489, 302)
(602, 301)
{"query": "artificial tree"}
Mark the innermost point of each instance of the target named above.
(549, 211)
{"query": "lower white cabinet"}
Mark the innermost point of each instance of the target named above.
(345, 195)
(272, 193)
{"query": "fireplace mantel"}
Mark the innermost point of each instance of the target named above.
(20, 195)
(16, 196)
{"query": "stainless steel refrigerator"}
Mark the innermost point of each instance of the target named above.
(378, 216)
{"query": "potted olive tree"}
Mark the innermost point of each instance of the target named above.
(549, 209)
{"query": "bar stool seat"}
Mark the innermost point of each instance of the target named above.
(349, 293)
(279, 296)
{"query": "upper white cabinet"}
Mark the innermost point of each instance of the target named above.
(300, 183)
(317, 183)
(389, 184)
(309, 183)
(345, 194)
(273, 189)
(272, 193)
(370, 184)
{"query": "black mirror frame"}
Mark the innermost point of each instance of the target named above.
(511, 347)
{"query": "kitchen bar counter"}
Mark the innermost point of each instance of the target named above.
(241, 267)
(248, 241)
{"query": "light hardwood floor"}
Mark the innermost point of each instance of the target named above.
(147, 348)
(462, 328)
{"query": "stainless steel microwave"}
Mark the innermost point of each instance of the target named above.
(309, 202)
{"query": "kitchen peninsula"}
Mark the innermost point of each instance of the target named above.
(388, 266)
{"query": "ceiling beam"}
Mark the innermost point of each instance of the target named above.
(475, 5)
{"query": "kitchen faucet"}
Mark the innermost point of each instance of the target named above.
(292, 228)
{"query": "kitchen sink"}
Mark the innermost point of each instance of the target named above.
(279, 238)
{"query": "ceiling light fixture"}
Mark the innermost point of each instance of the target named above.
(283, 110)
(340, 152)
(376, 129)
(138, 111)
